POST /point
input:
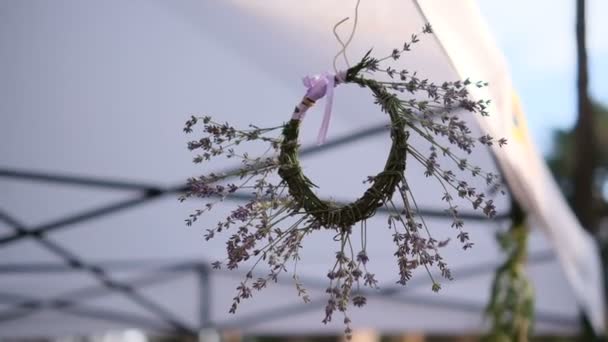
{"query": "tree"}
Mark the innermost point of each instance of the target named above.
(563, 161)
(584, 144)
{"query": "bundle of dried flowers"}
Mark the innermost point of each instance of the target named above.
(272, 226)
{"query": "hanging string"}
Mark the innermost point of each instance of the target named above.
(350, 38)
(319, 86)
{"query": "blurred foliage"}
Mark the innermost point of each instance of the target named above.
(562, 163)
(511, 306)
(562, 160)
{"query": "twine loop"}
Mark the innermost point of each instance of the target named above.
(382, 187)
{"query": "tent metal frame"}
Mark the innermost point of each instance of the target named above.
(72, 302)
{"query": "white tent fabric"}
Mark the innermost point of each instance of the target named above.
(94, 96)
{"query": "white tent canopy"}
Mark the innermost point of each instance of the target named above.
(95, 95)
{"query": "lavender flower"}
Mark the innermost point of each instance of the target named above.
(271, 227)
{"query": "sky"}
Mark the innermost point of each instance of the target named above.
(538, 40)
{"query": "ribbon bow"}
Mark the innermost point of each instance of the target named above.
(319, 86)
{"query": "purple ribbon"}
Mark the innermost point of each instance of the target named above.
(319, 86)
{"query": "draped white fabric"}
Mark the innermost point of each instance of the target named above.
(527, 174)
(94, 96)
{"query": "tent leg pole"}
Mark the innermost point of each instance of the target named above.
(207, 333)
